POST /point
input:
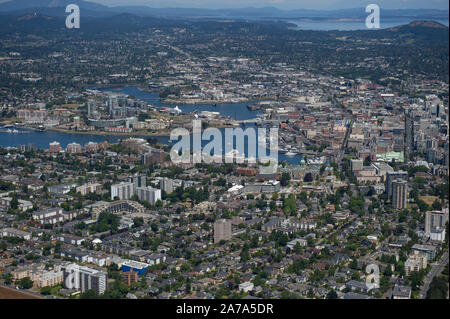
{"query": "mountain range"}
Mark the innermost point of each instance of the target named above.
(56, 8)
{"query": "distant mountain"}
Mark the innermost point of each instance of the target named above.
(55, 7)
(17, 5)
(419, 24)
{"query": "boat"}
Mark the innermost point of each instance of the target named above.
(41, 128)
(290, 154)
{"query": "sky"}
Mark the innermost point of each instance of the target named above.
(285, 4)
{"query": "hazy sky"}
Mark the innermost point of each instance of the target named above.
(285, 4)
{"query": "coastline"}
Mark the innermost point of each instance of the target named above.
(102, 133)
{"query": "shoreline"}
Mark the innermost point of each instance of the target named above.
(113, 134)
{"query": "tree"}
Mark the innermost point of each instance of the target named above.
(25, 283)
(308, 178)
(138, 221)
(89, 294)
(8, 278)
(332, 294)
(285, 178)
(46, 290)
(14, 203)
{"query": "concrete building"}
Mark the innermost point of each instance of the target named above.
(415, 262)
(83, 278)
(435, 220)
(148, 194)
(91, 108)
(54, 147)
(166, 185)
(138, 181)
(222, 230)
(124, 190)
(391, 177)
(356, 165)
(50, 279)
(73, 148)
(399, 194)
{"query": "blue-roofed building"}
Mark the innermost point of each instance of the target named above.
(136, 266)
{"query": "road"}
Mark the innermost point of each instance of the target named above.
(409, 135)
(340, 154)
(435, 271)
(9, 292)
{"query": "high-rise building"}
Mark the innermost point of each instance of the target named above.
(399, 194)
(54, 147)
(222, 230)
(83, 278)
(155, 156)
(138, 180)
(91, 147)
(73, 148)
(148, 194)
(113, 103)
(166, 185)
(122, 190)
(435, 220)
(392, 176)
(76, 121)
(91, 108)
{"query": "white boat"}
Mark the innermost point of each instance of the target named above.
(291, 154)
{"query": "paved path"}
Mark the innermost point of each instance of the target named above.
(435, 271)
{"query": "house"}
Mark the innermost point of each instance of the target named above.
(77, 254)
(246, 286)
(401, 292)
(12, 232)
(156, 259)
(357, 286)
(70, 239)
(302, 242)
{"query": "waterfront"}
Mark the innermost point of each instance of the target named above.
(237, 111)
(350, 24)
(42, 140)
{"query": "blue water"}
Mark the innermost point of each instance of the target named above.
(324, 25)
(238, 111)
(43, 139)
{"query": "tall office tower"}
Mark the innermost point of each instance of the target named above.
(399, 194)
(166, 185)
(91, 108)
(76, 121)
(122, 190)
(112, 104)
(148, 194)
(392, 176)
(435, 220)
(138, 180)
(222, 230)
(356, 165)
(83, 278)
